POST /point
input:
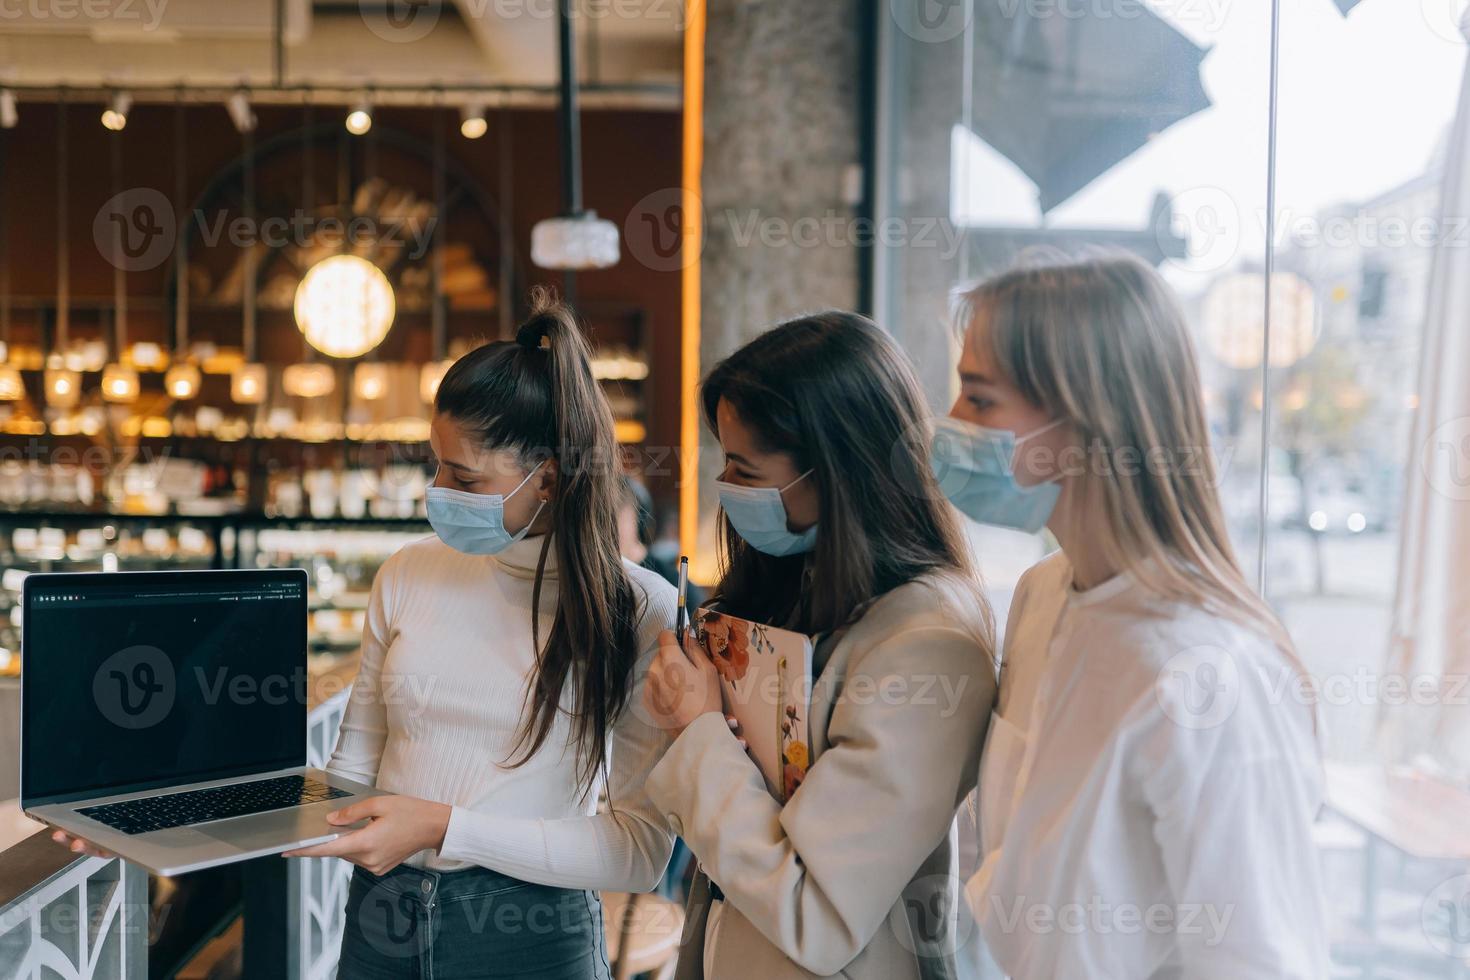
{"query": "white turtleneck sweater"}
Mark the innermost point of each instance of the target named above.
(438, 704)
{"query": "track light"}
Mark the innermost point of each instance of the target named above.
(360, 119)
(472, 122)
(238, 106)
(8, 115)
(115, 116)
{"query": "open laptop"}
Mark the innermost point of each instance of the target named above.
(163, 715)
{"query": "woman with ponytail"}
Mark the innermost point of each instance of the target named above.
(493, 698)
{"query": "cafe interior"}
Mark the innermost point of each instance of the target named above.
(241, 241)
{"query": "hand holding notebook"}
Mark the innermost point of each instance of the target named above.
(765, 680)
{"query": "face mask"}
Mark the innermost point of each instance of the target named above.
(474, 523)
(758, 515)
(977, 472)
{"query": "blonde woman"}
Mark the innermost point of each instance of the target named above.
(1146, 793)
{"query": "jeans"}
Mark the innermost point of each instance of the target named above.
(448, 925)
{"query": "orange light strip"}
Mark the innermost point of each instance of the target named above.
(693, 243)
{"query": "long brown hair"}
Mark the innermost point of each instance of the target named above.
(536, 396)
(837, 395)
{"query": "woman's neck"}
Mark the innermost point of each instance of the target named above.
(1090, 567)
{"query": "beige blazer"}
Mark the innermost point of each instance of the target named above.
(856, 876)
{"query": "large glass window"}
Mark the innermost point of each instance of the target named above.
(1147, 125)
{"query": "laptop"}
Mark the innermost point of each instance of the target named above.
(163, 716)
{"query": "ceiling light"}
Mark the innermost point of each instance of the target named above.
(344, 306)
(360, 119)
(371, 381)
(472, 122)
(12, 387)
(8, 114)
(119, 384)
(182, 381)
(147, 356)
(115, 116)
(309, 380)
(430, 377)
(579, 241)
(63, 387)
(247, 384)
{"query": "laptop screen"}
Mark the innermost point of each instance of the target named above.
(137, 680)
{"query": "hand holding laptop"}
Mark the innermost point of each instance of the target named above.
(398, 827)
(78, 845)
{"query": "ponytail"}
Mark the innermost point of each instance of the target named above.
(537, 396)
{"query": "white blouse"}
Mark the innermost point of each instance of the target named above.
(437, 708)
(1147, 796)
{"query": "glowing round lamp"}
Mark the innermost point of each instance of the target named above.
(12, 388)
(309, 380)
(182, 381)
(344, 306)
(247, 384)
(119, 384)
(580, 241)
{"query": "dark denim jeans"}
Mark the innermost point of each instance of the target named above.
(428, 925)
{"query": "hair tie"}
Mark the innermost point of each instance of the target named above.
(532, 333)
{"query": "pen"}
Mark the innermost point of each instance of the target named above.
(681, 621)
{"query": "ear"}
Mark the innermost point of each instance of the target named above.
(546, 480)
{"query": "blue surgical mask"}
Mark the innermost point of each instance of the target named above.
(474, 523)
(976, 468)
(758, 515)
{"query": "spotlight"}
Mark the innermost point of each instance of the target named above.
(8, 115)
(238, 106)
(115, 116)
(360, 119)
(472, 122)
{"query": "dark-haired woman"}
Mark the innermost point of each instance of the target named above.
(833, 526)
(492, 700)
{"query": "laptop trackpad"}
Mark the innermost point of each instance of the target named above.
(265, 830)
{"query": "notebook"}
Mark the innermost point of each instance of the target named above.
(766, 678)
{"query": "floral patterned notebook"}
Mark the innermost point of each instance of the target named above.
(766, 676)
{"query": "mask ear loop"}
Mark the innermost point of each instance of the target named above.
(532, 522)
(526, 481)
(1042, 430)
(798, 479)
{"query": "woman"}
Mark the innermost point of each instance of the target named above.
(1146, 798)
(832, 526)
(496, 669)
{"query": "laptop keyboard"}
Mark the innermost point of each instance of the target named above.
(215, 803)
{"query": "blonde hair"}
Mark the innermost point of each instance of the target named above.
(1101, 343)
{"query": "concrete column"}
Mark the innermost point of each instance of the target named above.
(781, 141)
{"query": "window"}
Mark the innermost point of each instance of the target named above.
(1146, 125)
